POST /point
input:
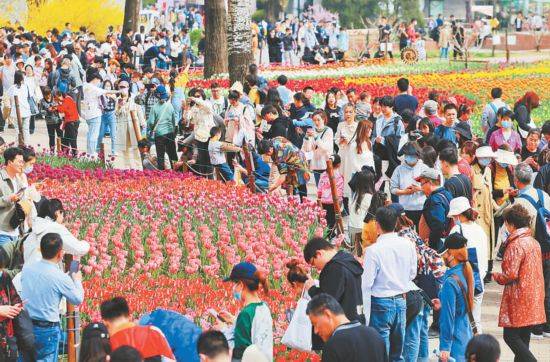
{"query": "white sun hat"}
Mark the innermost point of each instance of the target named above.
(485, 152)
(507, 157)
(458, 205)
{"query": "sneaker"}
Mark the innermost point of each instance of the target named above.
(537, 336)
(487, 279)
(546, 334)
(433, 333)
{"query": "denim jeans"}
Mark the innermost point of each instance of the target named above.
(444, 53)
(388, 317)
(424, 350)
(47, 343)
(108, 122)
(6, 239)
(225, 171)
(411, 347)
(94, 126)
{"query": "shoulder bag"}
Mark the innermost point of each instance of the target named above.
(468, 309)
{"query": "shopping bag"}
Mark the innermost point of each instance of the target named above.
(298, 333)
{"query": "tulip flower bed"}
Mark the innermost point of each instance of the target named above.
(164, 239)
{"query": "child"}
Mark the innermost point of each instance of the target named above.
(48, 110)
(324, 193)
(253, 325)
(148, 161)
(216, 149)
(420, 46)
(363, 107)
(68, 110)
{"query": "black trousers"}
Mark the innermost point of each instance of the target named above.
(53, 129)
(518, 341)
(165, 144)
(331, 217)
(32, 124)
(70, 135)
(203, 159)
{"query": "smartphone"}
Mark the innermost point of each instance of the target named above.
(215, 314)
(20, 192)
(73, 268)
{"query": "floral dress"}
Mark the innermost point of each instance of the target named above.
(290, 161)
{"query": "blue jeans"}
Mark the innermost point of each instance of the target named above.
(6, 239)
(411, 348)
(424, 350)
(47, 343)
(388, 316)
(317, 176)
(225, 171)
(94, 126)
(108, 122)
(444, 53)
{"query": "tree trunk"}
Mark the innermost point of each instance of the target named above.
(468, 11)
(131, 15)
(215, 56)
(273, 8)
(239, 39)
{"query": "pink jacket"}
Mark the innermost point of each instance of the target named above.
(323, 189)
(497, 139)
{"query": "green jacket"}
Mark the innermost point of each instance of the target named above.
(11, 257)
(162, 119)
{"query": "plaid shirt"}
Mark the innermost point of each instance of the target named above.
(429, 260)
(147, 100)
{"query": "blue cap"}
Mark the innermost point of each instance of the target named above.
(161, 93)
(242, 271)
(397, 208)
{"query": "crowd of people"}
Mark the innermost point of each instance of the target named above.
(428, 206)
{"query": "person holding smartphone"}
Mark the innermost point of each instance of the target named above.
(10, 187)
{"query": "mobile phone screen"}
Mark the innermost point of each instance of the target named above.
(74, 266)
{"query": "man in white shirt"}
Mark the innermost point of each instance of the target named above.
(389, 268)
(91, 109)
(489, 115)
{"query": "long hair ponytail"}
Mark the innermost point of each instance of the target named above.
(461, 255)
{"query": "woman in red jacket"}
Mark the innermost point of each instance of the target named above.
(71, 120)
(522, 305)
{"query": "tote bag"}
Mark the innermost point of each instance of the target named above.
(298, 333)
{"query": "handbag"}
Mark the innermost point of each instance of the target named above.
(32, 103)
(468, 309)
(298, 333)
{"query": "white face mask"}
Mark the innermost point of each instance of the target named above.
(28, 169)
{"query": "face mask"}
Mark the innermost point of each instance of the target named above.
(506, 124)
(457, 222)
(28, 169)
(411, 160)
(503, 165)
(237, 295)
(484, 161)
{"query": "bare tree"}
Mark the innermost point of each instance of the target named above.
(215, 56)
(468, 11)
(239, 39)
(131, 15)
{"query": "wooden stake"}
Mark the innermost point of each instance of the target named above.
(135, 123)
(337, 213)
(71, 316)
(20, 137)
(249, 168)
(507, 47)
(58, 145)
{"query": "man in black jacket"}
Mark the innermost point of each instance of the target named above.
(340, 276)
(345, 340)
(279, 124)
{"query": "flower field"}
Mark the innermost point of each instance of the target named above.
(470, 86)
(164, 239)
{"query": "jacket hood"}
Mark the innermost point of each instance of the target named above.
(347, 261)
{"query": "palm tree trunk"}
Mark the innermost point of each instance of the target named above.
(215, 57)
(131, 15)
(239, 39)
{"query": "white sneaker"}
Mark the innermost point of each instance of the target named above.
(537, 336)
(546, 334)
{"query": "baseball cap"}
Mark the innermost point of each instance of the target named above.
(454, 241)
(430, 106)
(429, 174)
(243, 270)
(397, 208)
(485, 152)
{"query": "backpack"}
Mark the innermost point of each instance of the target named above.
(62, 84)
(542, 224)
